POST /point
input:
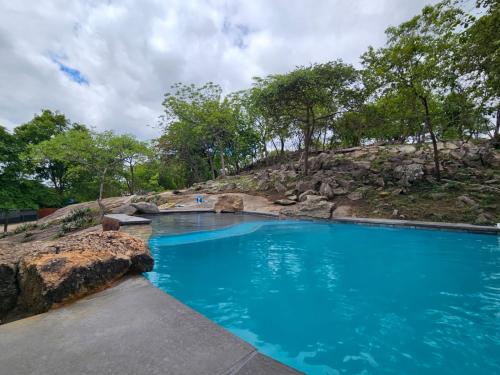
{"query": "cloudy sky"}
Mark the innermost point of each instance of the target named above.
(108, 64)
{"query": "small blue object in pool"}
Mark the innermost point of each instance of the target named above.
(344, 299)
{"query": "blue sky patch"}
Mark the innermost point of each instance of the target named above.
(73, 74)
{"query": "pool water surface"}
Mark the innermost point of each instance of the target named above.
(330, 298)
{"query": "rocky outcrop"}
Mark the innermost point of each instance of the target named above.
(228, 203)
(127, 209)
(52, 273)
(146, 208)
(314, 206)
(8, 287)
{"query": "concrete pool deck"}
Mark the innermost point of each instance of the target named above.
(132, 328)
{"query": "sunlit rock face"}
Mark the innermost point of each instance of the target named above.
(229, 203)
(53, 273)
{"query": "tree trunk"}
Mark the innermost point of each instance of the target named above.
(6, 220)
(132, 184)
(101, 191)
(433, 137)
(324, 138)
(223, 165)
(307, 143)
(211, 164)
(497, 127)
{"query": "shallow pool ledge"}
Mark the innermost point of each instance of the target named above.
(132, 328)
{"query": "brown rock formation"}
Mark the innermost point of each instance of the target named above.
(53, 273)
(314, 206)
(229, 203)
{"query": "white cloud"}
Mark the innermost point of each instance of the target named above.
(132, 51)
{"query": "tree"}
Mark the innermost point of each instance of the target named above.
(415, 61)
(133, 153)
(99, 154)
(479, 58)
(205, 132)
(307, 97)
(32, 138)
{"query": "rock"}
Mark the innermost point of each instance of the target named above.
(109, 223)
(326, 190)
(285, 202)
(263, 185)
(484, 219)
(126, 209)
(316, 163)
(395, 213)
(408, 173)
(314, 206)
(78, 265)
(229, 203)
(355, 196)
(146, 208)
(305, 194)
(340, 191)
(467, 200)
(8, 286)
(292, 197)
(342, 211)
(290, 192)
(407, 149)
(280, 188)
(304, 186)
(380, 181)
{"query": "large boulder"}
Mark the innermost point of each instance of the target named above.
(127, 209)
(302, 197)
(326, 190)
(76, 266)
(408, 174)
(8, 286)
(146, 207)
(303, 186)
(229, 203)
(314, 206)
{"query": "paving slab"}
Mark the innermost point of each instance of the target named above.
(124, 219)
(261, 364)
(132, 328)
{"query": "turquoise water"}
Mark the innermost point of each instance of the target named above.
(344, 299)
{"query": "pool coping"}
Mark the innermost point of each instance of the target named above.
(410, 224)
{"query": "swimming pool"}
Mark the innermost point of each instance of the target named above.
(330, 298)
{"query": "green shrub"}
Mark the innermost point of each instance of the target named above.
(24, 227)
(76, 219)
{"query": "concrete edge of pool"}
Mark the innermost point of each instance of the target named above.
(412, 224)
(131, 328)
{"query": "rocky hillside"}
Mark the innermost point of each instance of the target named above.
(384, 182)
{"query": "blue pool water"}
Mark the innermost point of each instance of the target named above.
(343, 299)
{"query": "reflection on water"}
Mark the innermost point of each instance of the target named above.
(347, 299)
